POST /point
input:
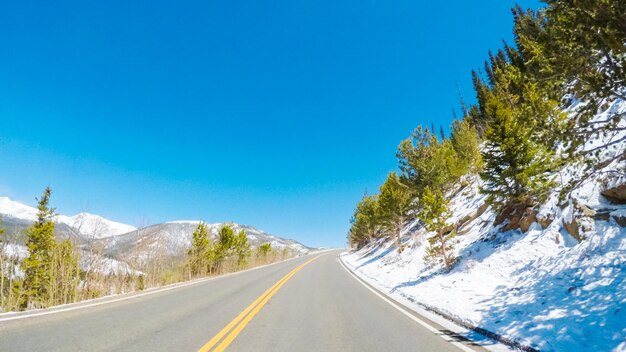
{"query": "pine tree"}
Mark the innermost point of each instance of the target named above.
(434, 214)
(366, 224)
(242, 249)
(396, 203)
(358, 235)
(224, 247)
(427, 162)
(38, 265)
(519, 151)
(199, 253)
(576, 49)
(422, 161)
(476, 115)
(263, 251)
(592, 35)
(466, 144)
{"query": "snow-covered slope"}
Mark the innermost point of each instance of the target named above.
(117, 243)
(120, 239)
(558, 286)
(85, 225)
(174, 238)
(16, 210)
(95, 226)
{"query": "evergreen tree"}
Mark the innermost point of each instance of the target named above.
(588, 39)
(577, 47)
(427, 162)
(476, 115)
(242, 249)
(519, 151)
(434, 214)
(466, 144)
(423, 161)
(38, 265)
(224, 247)
(366, 224)
(199, 253)
(396, 203)
(263, 251)
(358, 235)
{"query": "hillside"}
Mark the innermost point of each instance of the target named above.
(552, 278)
(513, 223)
(81, 227)
(174, 238)
(118, 242)
(94, 226)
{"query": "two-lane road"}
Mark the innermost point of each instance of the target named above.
(298, 305)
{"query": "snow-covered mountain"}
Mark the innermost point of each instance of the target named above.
(15, 210)
(122, 241)
(95, 226)
(173, 238)
(84, 225)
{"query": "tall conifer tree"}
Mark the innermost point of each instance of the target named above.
(38, 265)
(396, 203)
(199, 254)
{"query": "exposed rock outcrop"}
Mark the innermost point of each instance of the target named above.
(516, 216)
(616, 195)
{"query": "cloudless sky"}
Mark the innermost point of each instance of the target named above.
(277, 114)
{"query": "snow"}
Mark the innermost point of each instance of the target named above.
(107, 266)
(94, 226)
(89, 226)
(17, 210)
(542, 288)
(12, 250)
(173, 236)
(88, 261)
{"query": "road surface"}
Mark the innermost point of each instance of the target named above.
(307, 304)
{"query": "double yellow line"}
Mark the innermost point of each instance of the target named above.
(240, 322)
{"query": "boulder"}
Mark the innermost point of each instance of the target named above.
(585, 210)
(572, 229)
(582, 221)
(545, 220)
(528, 218)
(616, 195)
(603, 215)
(620, 220)
(512, 213)
(519, 216)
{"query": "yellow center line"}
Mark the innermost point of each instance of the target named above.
(240, 322)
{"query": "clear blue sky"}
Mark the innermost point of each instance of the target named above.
(277, 114)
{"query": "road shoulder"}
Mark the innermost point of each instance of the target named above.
(462, 337)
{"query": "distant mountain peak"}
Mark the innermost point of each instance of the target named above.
(87, 225)
(95, 226)
(174, 236)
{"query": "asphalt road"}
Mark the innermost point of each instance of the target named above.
(317, 307)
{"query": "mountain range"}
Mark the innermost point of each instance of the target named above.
(119, 240)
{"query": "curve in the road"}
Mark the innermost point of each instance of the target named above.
(318, 307)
